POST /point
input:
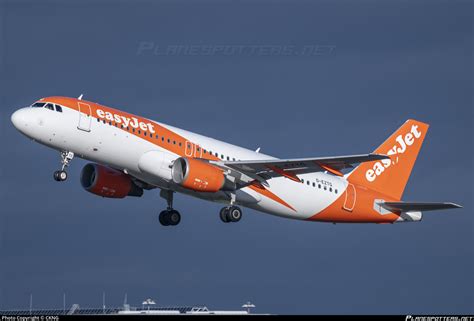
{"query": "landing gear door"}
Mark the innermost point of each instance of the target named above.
(85, 118)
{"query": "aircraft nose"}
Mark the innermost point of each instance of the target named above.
(18, 118)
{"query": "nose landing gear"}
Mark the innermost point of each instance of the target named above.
(66, 158)
(170, 216)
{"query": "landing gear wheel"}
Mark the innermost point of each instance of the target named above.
(60, 176)
(163, 218)
(234, 214)
(169, 217)
(223, 214)
(230, 214)
(174, 217)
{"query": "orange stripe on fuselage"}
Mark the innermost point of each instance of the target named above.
(171, 140)
(257, 187)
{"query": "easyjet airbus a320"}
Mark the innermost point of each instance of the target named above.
(132, 154)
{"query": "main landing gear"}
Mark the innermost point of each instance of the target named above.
(230, 214)
(66, 158)
(170, 216)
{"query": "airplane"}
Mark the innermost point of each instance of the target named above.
(131, 154)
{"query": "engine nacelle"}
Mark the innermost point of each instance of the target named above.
(197, 175)
(108, 182)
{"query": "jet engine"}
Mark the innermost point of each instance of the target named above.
(197, 175)
(108, 182)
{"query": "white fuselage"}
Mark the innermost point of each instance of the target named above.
(96, 140)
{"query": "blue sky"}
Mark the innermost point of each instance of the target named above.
(388, 61)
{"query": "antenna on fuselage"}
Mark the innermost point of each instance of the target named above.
(257, 150)
(80, 97)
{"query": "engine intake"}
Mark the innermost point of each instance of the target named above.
(197, 175)
(108, 182)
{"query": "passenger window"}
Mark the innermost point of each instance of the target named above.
(307, 182)
(330, 189)
(314, 184)
(228, 158)
(59, 108)
(222, 156)
(335, 191)
(319, 186)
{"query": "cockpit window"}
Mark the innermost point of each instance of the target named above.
(59, 108)
(38, 105)
(49, 106)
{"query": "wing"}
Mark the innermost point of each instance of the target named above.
(411, 206)
(262, 170)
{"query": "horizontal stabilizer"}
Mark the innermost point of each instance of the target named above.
(411, 206)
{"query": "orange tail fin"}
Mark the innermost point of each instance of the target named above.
(389, 176)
